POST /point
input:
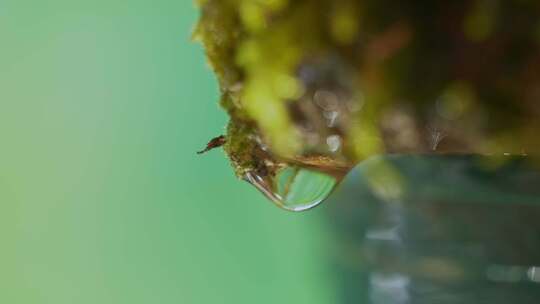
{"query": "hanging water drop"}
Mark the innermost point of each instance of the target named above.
(295, 188)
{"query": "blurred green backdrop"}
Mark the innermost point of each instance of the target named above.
(103, 199)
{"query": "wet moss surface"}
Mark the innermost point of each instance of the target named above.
(343, 80)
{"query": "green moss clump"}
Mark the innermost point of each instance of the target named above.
(409, 76)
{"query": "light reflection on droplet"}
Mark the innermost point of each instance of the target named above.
(294, 188)
(436, 135)
(389, 288)
(260, 142)
(333, 142)
(331, 117)
(533, 273)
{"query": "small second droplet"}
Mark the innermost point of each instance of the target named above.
(294, 188)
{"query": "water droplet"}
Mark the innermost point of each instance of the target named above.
(333, 142)
(294, 188)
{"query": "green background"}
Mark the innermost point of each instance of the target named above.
(102, 197)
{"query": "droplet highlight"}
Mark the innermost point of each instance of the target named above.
(294, 188)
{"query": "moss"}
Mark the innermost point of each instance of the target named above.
(382, 56)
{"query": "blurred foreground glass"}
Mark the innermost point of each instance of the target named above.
(439, 229)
